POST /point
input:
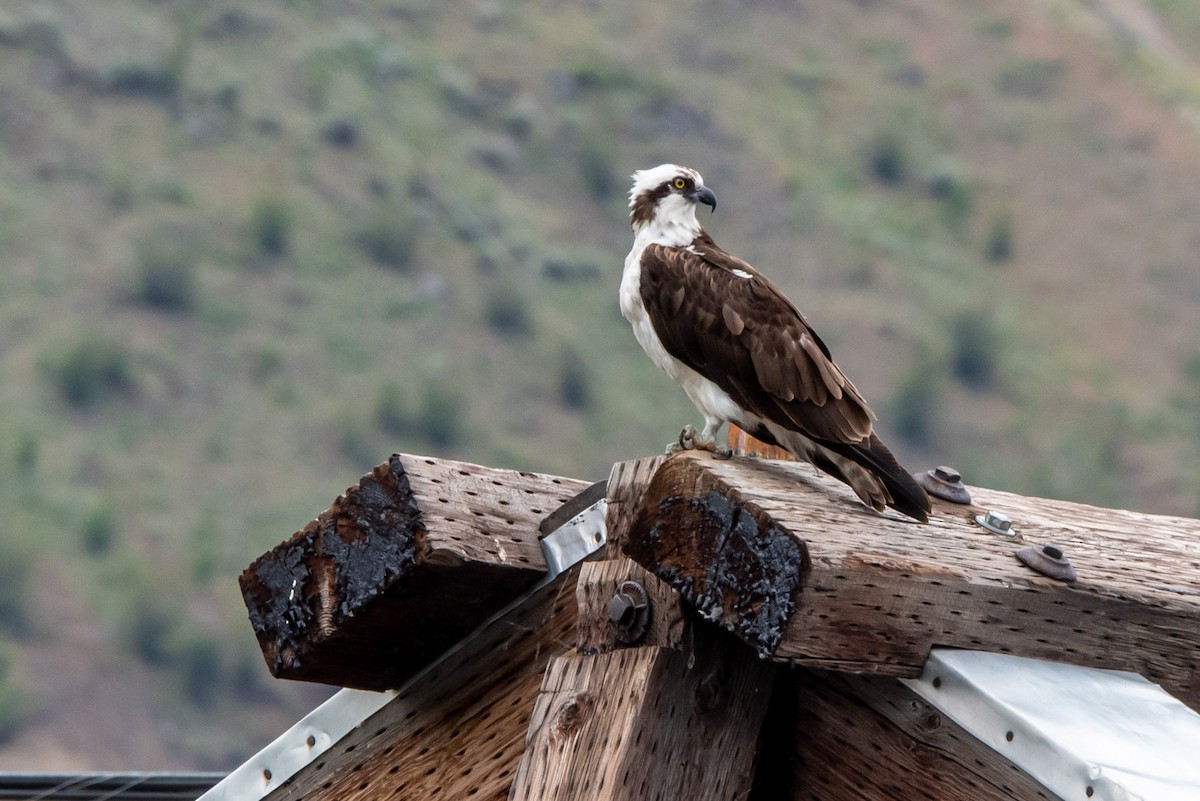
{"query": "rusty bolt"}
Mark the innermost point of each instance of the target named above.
(1049, 560)
(945, 483)
(997, 523)
(629, 612)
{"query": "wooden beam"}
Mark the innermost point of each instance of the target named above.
(791, 562)
(458, 731)
(626, 483)
(399, 568)
(870, 738)
(600, 581)
(648, 723)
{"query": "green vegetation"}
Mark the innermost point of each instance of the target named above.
(13, 705)
(246, 253)
(91, 371)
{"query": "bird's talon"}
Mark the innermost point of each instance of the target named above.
(722, 453)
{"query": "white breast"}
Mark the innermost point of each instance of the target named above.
(713, 402)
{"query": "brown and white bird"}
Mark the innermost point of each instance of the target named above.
(741, 350)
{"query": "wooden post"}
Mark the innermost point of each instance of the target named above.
(399, 568)
(648, 723)
(794, 565)
(458, 730)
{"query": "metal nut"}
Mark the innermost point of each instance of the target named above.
(945, 483)
(997, 523)
(629, 612)
(1049, 560)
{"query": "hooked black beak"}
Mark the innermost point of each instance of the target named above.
(702, 194)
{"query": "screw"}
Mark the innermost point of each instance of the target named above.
(1053, 551)
(997, 523)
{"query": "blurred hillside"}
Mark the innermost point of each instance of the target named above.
(247, 250)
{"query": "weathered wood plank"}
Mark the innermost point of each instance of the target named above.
(791, 561)
(458, 731)
(398, 568)
(626, 483)
(870, 738)
(599, 581)
(648, 723)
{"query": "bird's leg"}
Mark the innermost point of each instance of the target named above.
(706, 440)
(686, 441)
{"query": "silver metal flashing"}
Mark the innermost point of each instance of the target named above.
(299, 745)
(1084, 733)
(569, 543)
(576, 539)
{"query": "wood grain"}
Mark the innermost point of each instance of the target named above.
(794, 564)
(599, 581)
(870, 738)
(626, 483)
(404, 564)
(458, 731)
(648, 723)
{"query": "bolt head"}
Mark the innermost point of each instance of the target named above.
(996, 522)
(1052, 551)
(947, 474)
(620, 608)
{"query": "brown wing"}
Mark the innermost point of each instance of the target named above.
(742, 334)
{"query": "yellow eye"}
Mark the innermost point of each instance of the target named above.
(679, 183)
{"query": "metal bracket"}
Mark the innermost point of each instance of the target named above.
(578, 529)
(1084, 733)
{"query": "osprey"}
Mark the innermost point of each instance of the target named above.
(741, 350)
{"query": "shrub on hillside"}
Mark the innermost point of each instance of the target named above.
(998, 246)
(166, 278)
(574, 381)
(507, 311)
(271, 227)
(91, 371)
(976, 349)
(389, 237)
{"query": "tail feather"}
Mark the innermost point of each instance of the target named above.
(900, 489)
(908, 497)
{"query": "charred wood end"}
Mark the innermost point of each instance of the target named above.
(300, 591)
(734, 565)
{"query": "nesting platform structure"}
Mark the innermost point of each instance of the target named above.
(741, 629)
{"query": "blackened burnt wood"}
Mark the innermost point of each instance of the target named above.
(456, 731)
(791, 561)
(399, 568)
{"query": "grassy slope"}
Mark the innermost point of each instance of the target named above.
(501, 138)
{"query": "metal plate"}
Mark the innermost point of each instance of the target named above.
(1084, 733)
